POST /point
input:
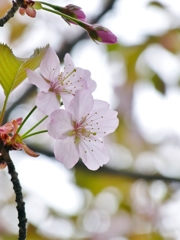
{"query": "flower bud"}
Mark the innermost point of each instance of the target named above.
(28, 7)
(3, 165)
(101, 34)
(72, 11)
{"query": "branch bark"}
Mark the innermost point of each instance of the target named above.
(11, 12)
(5, 158)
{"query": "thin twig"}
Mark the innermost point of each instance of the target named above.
(11, 12)
(18, 192)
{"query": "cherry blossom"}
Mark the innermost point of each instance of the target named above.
(80, 129)
(55, 85)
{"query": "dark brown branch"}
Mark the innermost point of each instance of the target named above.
(18, 192)
(11, 12)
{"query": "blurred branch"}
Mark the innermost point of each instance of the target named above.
(11, 12)
(120, 172)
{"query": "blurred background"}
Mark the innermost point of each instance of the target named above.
(136, 195)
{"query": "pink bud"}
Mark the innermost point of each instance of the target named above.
(101, 34)
(28, 8)
(31, 12)
(72, 11)
(3, 165)
(22, 11)
(76, 12)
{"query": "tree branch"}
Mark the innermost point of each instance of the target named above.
(5, 158)
(11, 12)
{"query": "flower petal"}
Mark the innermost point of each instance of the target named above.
(103, 122)
(29, 151)
(68, 65)
(90, 84)
(37, 80)
(99, 104)
(47, 102)
(74, 81)
(50, 65)
(66, 152)
(60, 124)
(81, 105)
(66, 98)
(93, 154)
(31, 12)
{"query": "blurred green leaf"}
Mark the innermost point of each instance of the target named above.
(156, 4)
(158, 83)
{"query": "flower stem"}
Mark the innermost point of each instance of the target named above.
(32, 134)
(4, 109)
(30, 130)
(18, 193)
(26, 118)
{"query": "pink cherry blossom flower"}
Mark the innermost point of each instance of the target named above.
(55, 85)
(79, 131)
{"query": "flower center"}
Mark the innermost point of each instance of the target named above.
(80, 131)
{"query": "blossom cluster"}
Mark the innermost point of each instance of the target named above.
(80, 127)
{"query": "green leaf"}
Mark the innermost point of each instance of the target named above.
(156, 4)
(159, 84)
(13, 69)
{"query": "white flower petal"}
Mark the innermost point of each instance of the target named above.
(47, 102)
(66, 152)
(86, 75)
(75, 81)
(37, 80)
(50, 65)
(102, 122)
(93, 153)
(81, 105)
(68, 65)
(66, 98)
(60, 124)
(99, 104)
